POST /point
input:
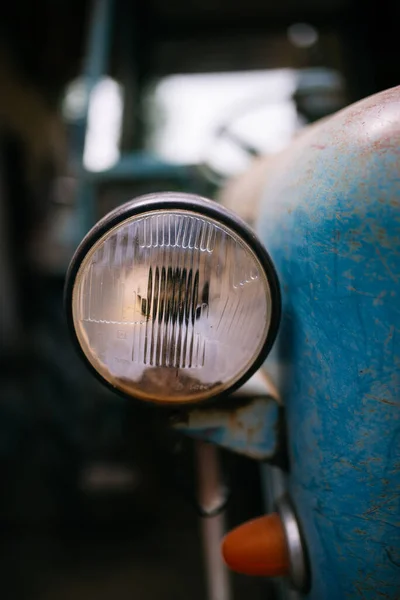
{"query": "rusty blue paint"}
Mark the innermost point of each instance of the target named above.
(251, 429)
(330, 219)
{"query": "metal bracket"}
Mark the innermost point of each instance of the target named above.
(248, 422)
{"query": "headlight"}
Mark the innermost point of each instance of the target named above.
(172, 299)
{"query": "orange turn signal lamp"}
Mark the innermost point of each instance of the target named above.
(258, 547)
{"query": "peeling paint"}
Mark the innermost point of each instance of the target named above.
(251, 428)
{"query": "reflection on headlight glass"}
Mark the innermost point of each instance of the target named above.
(171, 306)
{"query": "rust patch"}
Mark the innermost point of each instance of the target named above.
(383, 400)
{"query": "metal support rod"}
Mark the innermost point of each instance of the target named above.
(211, 495)
(99, 38)
(95, 67)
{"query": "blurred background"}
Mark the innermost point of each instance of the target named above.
(101, 101)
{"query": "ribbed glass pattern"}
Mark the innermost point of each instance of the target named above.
(171, 306)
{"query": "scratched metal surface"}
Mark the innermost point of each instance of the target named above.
(250, 425)
(331, 221)
(251, 430)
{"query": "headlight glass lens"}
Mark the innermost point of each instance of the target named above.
(171, 306)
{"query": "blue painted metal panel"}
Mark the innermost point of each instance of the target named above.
(331, 221)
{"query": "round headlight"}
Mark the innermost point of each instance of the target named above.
(172, 299)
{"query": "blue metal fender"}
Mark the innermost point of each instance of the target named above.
(330, 219)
